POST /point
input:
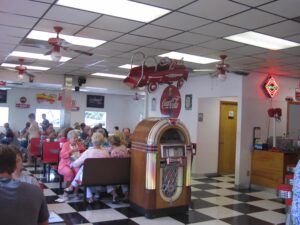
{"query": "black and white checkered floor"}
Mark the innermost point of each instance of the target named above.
(214, 202)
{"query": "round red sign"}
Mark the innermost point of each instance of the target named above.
(170, 102)
(23, 99)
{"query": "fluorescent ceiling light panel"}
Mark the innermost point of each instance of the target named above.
(119, 8)
(37, 56)
(28, 67)
(262, 40)
(189, 58)
(81, 41)
(204, 70)
(109, 75)
(128, 66)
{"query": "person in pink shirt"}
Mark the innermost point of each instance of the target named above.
(118, 150)
(70, 152)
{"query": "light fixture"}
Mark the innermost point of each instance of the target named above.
(109, 75)
(10, 65)
(21, 76)
(204, 70)
(262, 40)
(81, 41)
(189, 58)
(55, 54)
(37, 56)
(222, 76)
(119, 8)
(128, 66)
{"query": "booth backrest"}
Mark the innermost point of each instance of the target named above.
(106, 171)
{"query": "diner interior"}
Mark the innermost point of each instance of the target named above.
(240, 103)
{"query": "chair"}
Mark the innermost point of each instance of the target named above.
(35, 150)
(50, 157)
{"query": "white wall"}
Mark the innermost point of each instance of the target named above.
(208, 135)
(121, 110)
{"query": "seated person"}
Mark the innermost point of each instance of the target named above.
(20, 203)
(118, 150)
(97, 151)
(18, 174)
(69, 153)
(62, 136)
(50, 132)
(127, 137)
(7, 136)
(295, 212)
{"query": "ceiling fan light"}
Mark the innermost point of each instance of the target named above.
(55, 56)
(21, 76)
(222, 76)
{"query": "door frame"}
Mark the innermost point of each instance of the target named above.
(225, 103)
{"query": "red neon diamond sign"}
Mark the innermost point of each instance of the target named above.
(271, 87)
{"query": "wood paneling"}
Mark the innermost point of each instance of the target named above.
(268, 168)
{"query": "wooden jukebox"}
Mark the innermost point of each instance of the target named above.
(160, 167)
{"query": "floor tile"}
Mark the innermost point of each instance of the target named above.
(264, 195)
(193, 182)
(269, 216)
(224, 178)
(192, 217)
(282, 210)
(245, 208)
(246, 190)
(243, 198)
(82, 206)
(61, 208)
(266, 204)
(73, 218)
(208, 180)
(195, 189)
(52, 185)
(129, 212)
(223, 185)
(51, 199)
(211, 222)
(199, 203)
(156, 221)
(117, 222)
(113, 205)
(222, 192)
(221, 200)
(48, 192)
(101, 215)
(245, 220)
(219, 212)
(204, 186)
(203, 194)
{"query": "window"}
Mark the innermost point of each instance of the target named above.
(92, 118)
(53, 115)
(4, 115)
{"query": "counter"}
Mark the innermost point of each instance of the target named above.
(268, 168)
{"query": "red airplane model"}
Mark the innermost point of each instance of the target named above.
(166, 71)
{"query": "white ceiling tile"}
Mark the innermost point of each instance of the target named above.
(47, 26)
(98, 34)
(155, 31)
(135, 40)
(221, 44)
(230, 55)
(13, 31)
(248, 50)
(291, 60)
(115, 24)
(253, 3)
(17, 21)
(102, 52)
(243, 60)
(286, 8)
(293, 51)
(213, 9)
(150, 51)
(195, 50)
(9, 39)
(252, 19)
(190, 38)
(272, 54)
(283, 29)
(119, 46)
(167, 45)
(295, 38)
(31, 49)
(218, 30)
(24, 7)
(174, 4)
(70, 15)
(181, 21)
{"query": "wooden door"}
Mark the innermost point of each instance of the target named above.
(227, 137)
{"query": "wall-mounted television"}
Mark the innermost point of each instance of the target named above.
(95, 101)
(3, 96)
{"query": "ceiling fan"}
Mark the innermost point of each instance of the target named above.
(57, 44)
(22, 70)
(223, 69)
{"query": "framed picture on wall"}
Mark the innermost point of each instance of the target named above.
(188, 102)
(3, 96)
(95, 101)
